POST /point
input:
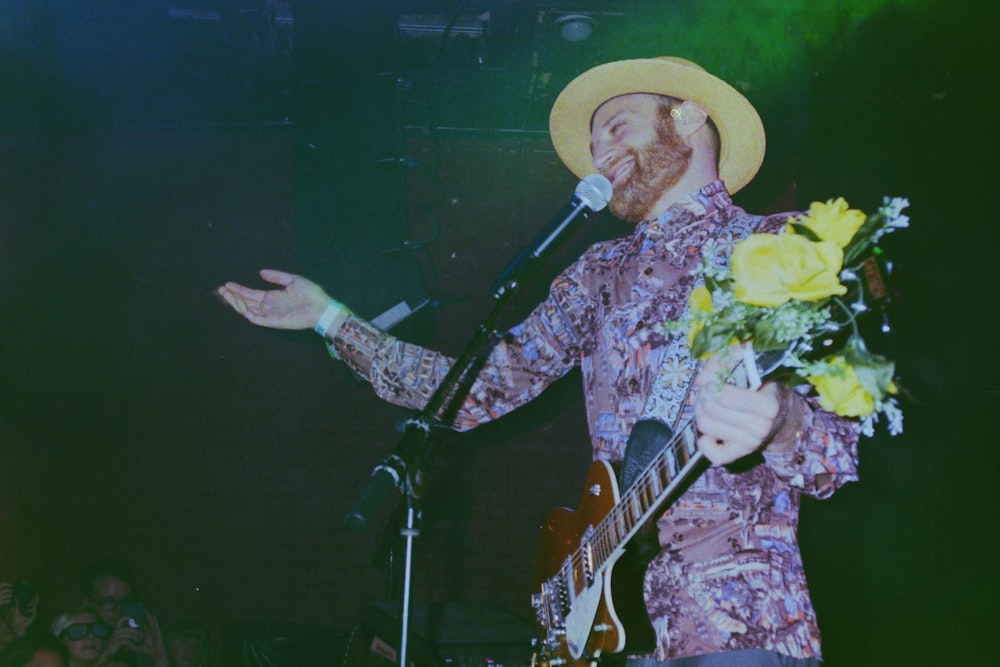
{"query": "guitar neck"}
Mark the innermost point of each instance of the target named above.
(677, 463)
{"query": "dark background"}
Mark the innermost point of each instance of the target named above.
(151, 151)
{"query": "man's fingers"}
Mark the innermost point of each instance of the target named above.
(229, 297)
(276, 277)
(736, 415)
(748, 432)
(721, 452)
(717, 368)
(248, 308)
(747, 401)
(242, 291)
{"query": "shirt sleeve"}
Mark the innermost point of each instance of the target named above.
(824, 456)
(531, 356)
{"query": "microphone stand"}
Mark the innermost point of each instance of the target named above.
(402, 469)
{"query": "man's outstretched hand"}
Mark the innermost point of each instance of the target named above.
(298, 303)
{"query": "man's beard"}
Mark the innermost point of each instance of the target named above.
(657, 167)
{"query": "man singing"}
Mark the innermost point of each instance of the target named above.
(727, 586)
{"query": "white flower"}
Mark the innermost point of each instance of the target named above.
(892, 208)
(893, 218)
(893, 414)
(868, 424)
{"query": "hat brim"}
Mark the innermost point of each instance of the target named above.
(741, 131)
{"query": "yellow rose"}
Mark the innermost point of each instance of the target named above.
(843, 394)
(700, 301)
(769, 269)
(833, 221)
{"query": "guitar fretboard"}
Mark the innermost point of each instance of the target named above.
(657, 482)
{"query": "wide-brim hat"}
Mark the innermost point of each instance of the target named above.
(741, 131)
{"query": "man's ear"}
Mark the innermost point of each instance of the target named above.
(689, 117)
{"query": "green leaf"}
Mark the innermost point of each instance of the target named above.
(862, 238)
(802, 230)
(764, 338)
(874, 371)
(711, 339)
(713, 284)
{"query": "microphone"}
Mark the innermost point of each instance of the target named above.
(592, 194)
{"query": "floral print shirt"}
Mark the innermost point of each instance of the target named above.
(729, 574)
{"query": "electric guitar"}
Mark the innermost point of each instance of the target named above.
(578, 616)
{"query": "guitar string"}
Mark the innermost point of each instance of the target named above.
(604, 538)
(605, 532)
(672, 466)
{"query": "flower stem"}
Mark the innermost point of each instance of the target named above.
(851, 319)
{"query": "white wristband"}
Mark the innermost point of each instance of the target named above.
(328, 316)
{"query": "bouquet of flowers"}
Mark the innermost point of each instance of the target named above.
(800, 293)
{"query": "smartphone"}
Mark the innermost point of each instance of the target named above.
(133, 610)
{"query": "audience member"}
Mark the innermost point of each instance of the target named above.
(34, 650)
(18, 610)
(108, 587)
(84, 635)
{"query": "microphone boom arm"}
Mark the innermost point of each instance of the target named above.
(514, 273)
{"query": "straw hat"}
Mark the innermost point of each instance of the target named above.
(740, 128)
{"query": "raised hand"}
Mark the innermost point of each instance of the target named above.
(298, 303)
(18, 614)
(123, 635)
(153, 644)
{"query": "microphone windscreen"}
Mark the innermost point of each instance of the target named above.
(595, 191)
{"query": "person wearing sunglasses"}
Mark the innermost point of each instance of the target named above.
(84, 635)
(108, 588)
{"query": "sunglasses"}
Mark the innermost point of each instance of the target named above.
(77, 631)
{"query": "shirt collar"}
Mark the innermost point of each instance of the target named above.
(701, 205)
(688, 223)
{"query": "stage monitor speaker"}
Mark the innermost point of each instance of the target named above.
(442, 634)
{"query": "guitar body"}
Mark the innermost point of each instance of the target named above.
(588, 610)
(591, 562)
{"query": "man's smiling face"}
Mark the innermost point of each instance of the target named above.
(634, 145)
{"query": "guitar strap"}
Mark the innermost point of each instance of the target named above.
(668, 404)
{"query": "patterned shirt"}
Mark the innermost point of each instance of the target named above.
(729, 573)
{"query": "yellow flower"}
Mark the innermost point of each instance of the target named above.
(833, 221)
(843, 393)
(769, 269)
(700, 302)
